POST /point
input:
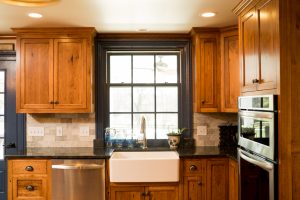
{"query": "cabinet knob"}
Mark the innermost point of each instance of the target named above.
(203, 101)
(51, 102)
(199, 183)
(255, 81)
(29, 188)
(29, 168)
(193, 168)
(56, 102)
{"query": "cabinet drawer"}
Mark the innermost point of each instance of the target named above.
(193, 166)
(29, 188)
(29, 166)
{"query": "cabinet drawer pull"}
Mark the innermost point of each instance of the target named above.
(193, 168)
(29, 168)
(51, 102)
(255, 81)
(56, 102)
(29, 188)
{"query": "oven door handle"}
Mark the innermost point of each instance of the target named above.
(251, 159)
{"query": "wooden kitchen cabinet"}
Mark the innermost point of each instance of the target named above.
(29, 179)
(54, 70)
(205, 179)
(233, 180)
(259, 47)
(216, 82)
(145, 192)
(206, 69)
(230, 81)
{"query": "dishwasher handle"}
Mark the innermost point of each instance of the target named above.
(77, 166)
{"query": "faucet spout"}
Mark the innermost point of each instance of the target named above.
(143, 131)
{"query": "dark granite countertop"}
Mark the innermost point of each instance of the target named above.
(102, 153)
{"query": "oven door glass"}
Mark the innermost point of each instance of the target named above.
(256, 177)
(256, 132)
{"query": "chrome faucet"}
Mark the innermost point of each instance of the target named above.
(143, 132)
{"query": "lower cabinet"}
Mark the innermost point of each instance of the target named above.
(145, 192)
(233, 180)
(29, 179)
(205, 179)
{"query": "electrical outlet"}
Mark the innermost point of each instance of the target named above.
(84, 131)
(36, 131)
(59, 131)
(201, 130)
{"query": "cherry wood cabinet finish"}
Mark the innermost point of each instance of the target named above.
(233, 187)
(206, 69)
(55, 70)
(29, 179)
(259, 47)
(288, 86)
(217, 179)
(143, 191)
(230, 80)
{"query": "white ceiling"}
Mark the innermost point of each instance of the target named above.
(161, 16)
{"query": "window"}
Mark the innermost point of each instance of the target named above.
(2, 107)
(142, 77)
(143, 84)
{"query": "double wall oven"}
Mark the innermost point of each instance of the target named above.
(257, 152)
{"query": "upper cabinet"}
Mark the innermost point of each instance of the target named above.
(215, 69)
(54, 70)
(259, 46)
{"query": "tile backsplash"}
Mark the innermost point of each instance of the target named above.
(70, 124)
(212, 121)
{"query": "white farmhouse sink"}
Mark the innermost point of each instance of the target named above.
(154, 166)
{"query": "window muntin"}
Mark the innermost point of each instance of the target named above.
(149, 87)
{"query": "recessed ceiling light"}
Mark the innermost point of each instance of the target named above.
(208, 14)
(35, 15)
(142, 30)
(30, 3)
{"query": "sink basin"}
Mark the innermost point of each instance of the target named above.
(157, 166)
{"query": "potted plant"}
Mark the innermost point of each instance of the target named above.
(174, 137)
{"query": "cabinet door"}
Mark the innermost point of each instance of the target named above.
(70, 75)
(35, 75)
(127, 193)
(217, 179)
(249, 51)
(206, 71)
(230, 77)
(267, 13)
(233, 180)
(194, 188)
(161, 193)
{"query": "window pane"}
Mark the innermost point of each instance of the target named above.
(150, 128)
(143, 69)
(164, 124)
(166, 69)
(120, 121)
(166, 99)
(2, 126)
(120, 99)
(2, 81)
(143, 99)
(2, 104)
(120, 69)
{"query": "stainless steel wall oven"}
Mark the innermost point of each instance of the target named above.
(257, 153)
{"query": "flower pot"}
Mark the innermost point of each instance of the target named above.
(173, 141)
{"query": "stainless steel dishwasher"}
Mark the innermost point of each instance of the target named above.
(82, 179)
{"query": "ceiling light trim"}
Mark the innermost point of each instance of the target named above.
(30, 3)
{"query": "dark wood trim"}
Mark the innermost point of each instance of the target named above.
(183, 45)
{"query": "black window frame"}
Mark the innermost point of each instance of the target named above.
(105, 45)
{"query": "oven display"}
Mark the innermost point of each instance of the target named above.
(255, 129)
